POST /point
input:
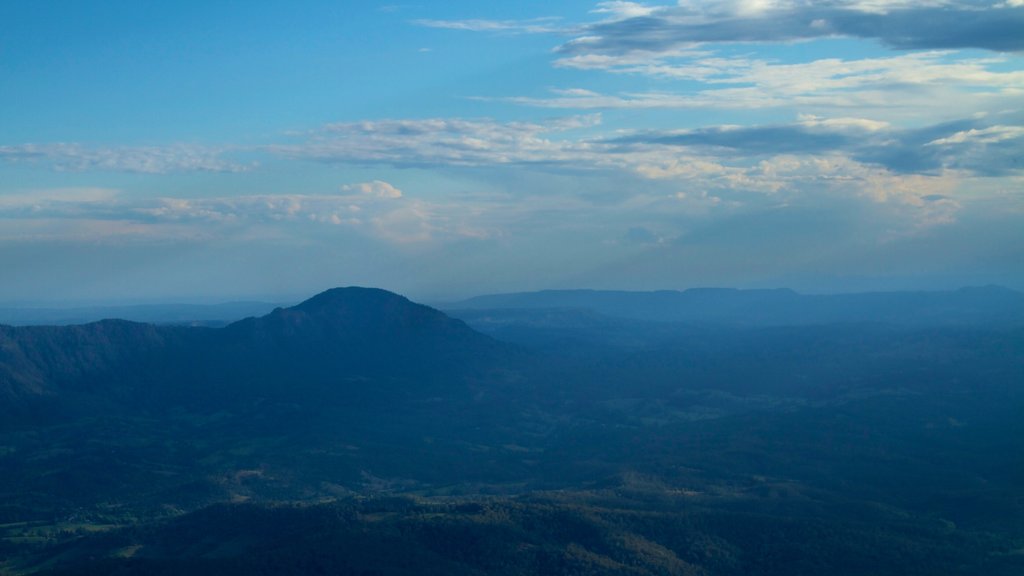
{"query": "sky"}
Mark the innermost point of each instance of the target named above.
(212, 151)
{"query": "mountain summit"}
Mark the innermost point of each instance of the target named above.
(357, 318)
(372, 311)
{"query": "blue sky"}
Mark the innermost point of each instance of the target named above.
(212, 151)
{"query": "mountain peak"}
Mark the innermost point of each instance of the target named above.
(358, 316)
(366, 308)
(354, 330)
(349, 294)
(352, 298)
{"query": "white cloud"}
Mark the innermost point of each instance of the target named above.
(619, 9)
(987, 135)
(376, 188)
(844, 124)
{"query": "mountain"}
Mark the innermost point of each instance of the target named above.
(321, 393)
(357, 327)
(990, 305)
(45, 370)
(337, 336)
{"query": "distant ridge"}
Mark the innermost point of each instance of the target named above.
(184, 314)
(966, 306)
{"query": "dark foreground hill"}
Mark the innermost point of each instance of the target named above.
(360, 433)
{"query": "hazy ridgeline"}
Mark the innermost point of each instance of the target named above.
(566, 432)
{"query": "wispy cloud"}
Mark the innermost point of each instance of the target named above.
(375, 209)
(544, 25)
(37, 200)
(143, 159)
(621, 10)
(454, 142)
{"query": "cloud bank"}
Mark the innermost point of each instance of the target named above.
(991, 26)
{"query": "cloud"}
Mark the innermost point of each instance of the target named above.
(582, 99)
(37, 200)
(375, 209)
(969, 145)
(692, 41)
(572, 144)
(715, 166)
(643, 236)
(907, 87)
(376, 188)
(989, 135)
(619, 10)
(454, 142)
(146, 159)
(901, 25)
(80, 214)
(752, 140)
(696, 171)
(351, 208)
(545, 25)
(370, 209)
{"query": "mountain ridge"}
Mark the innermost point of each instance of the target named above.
(774, 307)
